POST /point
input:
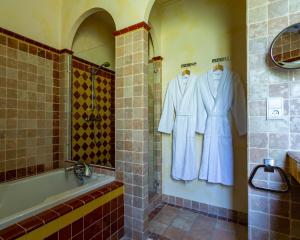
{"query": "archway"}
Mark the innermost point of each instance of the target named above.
(93, 89)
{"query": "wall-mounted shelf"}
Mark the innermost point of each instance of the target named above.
(294, 165)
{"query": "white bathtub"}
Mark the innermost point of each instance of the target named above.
(27, 197)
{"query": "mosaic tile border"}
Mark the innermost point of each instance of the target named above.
(28, 225)
(224, 214)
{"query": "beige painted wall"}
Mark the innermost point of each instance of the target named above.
(94, 40)
(39, 20)
(55, 22)
(200, 31)
(124, 12)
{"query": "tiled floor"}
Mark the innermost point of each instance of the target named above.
(172, 223)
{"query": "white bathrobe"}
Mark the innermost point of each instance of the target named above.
(216, 101)
(179, 115)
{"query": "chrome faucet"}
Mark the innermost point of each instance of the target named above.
(81, 170)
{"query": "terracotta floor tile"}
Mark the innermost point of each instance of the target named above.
(182, 223)
(173, 233)
(176, 223)
(220, 234)
(228, 226)
(157, 227)
(165, 218)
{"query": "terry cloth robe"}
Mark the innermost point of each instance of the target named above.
(179, 116)
(214, 106)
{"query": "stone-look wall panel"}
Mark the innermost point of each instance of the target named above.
(271, 216)
(131, 104)
(29, 107)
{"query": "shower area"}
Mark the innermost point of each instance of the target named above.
(154, 137)
(93, 92)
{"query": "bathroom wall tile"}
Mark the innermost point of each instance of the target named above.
(257, 155)
(295, 124)
(259, 203)
(260, 234)
(256, 3)
(279, 156)
(276, 25)
(258, 124)
(295, 89)
(279, 90)
(280, 208)
(260, 220)
(282, 125)
(280, 224)
(258, 30)
(259, 140)
(278, 9)
(279, 141)
(294, 18)
(258, 91)
(294, 6)
(258, 77)
(258, 45)
(295, 228)
(294, 107)
(295, 141)
(258, 14)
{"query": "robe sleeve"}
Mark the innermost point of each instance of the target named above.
(167, 116)
(238, 108)
(201, 111)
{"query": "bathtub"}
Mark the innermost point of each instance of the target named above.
(24, 198)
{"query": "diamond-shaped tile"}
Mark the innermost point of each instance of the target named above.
(84, 136)
(76, 126)
(76, 105)
(76, 84)
(85, 76)
(76, 94)
(76, 147)
(85, 86)
(76, 74)
(76, 115)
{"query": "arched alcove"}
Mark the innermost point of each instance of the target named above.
(93, 89)
(94, 40)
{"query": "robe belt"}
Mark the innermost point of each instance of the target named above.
(183, 114)
(217, 115)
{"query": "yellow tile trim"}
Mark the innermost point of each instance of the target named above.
(61, 222)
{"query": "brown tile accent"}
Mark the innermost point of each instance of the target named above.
(131, 28)
(12, 232)
(111, 214)
(47, 216)
(62, 209)
(30, 224)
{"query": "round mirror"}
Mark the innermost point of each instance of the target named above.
(285, 49)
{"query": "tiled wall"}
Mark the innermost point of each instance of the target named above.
(132, 125)
(29, 107)
(271, 216)
(93, 141)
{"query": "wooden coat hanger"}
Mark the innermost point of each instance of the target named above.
(218, 67)
(186, 72)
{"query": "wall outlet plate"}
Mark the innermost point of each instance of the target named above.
(275, 108)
